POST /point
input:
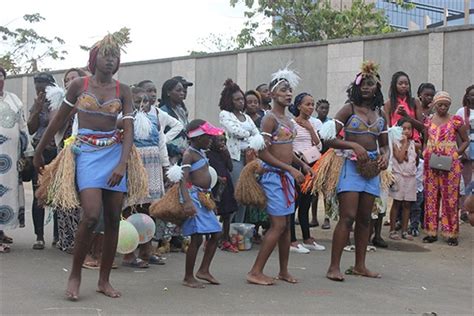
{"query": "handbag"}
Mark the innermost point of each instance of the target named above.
(26, 168)
(441, 162)
(310, 154)
(437, 161)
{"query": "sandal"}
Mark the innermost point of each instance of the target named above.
(91, 265)
(453, 241)
(136, 263)
(4, 248)
(371, 248)
(430, 239)
(227, 246)
(394, 235)
(350, 248)
(6, 240)
(406, 236)
(38, 245)
(153, 259)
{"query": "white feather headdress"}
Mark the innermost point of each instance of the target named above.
(286, 74)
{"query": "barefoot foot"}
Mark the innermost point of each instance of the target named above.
(287, 278)
(72, 291)
(259, 279)
(365, 273)
(335, 275)
(193, 283)
(107, 289)
(206, 276)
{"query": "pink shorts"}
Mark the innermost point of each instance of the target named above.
(404, 188)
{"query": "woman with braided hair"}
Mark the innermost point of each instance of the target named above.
(365, 152)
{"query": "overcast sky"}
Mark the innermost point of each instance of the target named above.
(159, 28)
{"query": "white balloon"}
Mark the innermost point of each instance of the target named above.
(213, 173)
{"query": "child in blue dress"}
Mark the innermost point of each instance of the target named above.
(196, 192)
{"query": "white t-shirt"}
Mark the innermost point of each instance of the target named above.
(303, 139)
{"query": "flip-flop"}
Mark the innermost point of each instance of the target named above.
(38, 245)
(350, 248)
(4, 248)
(91, 265)
(153, 259)
(7, 240)
(136, 263)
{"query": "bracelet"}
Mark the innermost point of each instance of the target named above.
(67, 102)
(128, 117)
(266, 134)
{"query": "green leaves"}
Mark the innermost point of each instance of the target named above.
(26, 50)
(295, 21)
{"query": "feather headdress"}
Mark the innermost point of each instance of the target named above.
(285, 74)
(369, 69)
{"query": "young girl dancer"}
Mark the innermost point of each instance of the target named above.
(195, 188)
(278, 178)
(101, 156)
(364, 132)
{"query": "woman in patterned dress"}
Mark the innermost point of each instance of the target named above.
(13, 143)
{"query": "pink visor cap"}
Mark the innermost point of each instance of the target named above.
(205, 129)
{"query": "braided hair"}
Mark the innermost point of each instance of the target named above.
(392, 94)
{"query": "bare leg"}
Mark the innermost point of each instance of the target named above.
(277, 228)
(393, 214)
(284, 253)
(189, 279)
(361, 235)
(112, 210)
(225, 228)
(348, 204)
(203, 272)
(91, 201)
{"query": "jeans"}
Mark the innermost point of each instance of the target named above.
(239, 216)
(417, 211)
(303, 203)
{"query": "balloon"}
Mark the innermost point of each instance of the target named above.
(213, 173)
(127, 239)
(145, 226)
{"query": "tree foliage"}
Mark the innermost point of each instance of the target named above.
(295, 21)
(26, 50)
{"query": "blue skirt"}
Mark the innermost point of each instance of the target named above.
(351, 181)
(94, 165)
(279, 187)
(204, 222)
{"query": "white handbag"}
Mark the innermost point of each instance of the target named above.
(311, 154)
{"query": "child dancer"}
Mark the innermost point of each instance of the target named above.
(151, 145)
(195, 188)
(403, 191)
(278, 178)
(219, 159)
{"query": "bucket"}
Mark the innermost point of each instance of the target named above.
(242, 234)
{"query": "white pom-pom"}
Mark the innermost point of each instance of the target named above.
(175, 173)
(142, 126)
(257, 142)
(288, 74)
(328, 130)
(395, 133)
(55, 96)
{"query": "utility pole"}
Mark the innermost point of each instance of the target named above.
(466, 12)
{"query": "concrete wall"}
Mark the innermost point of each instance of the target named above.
(443, 56)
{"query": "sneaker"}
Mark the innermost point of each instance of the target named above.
(314, 246)
(299, 249)
(464, 217)
(415, 232)
(326, 224)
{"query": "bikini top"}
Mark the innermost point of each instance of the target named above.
(283, 134)
(356, 125)
(200, 163)
(87, 102)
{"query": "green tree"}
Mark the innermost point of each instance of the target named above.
(295, 21)
(26, 50)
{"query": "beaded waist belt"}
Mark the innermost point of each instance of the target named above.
(100, 140)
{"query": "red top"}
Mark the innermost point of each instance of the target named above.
(411, 113)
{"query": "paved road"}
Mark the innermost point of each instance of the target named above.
(417, 279)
